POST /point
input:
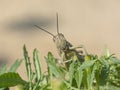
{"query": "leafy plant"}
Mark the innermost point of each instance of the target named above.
(95, 73)
(5, 70)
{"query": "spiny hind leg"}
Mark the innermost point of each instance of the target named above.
(80, 51)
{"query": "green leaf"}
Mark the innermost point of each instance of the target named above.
(51, 58)
(71, 72)
(15, 66)
(3, 69)
(10, 79)
(87, 64)
(28, 67)
(37, 64)
(114, 60)
(38, 68)
(104, 75)
(54, 69)
(78, 77)
(92, 76)
(27, 63)
(107, 52)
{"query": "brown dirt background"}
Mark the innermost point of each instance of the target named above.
(93, 23)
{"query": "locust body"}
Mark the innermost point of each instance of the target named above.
(64, 48)
(65, 51)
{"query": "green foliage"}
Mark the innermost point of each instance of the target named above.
(10, 79)
(13, 68)
(95, 73)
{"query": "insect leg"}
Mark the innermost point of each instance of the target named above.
(80, 46)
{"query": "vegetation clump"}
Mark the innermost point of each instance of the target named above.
(95, 73)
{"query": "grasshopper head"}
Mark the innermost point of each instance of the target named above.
(60, 41)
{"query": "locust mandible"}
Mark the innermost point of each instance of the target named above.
(65, 49)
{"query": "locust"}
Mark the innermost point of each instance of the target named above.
(65, 49)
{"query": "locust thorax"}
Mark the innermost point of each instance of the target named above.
(60, 42)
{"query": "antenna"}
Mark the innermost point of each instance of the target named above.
(57, 23)
(44, 30)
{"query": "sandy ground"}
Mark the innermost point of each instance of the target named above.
(93, 23)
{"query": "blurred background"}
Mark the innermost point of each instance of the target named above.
(93, 23)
